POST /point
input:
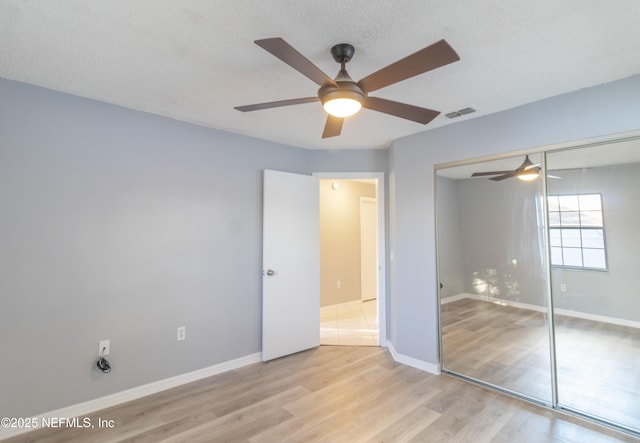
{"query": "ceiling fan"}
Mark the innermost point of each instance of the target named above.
(527, 171)
(342, 97)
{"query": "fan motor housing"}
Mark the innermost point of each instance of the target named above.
(345, 89)
(343, 52)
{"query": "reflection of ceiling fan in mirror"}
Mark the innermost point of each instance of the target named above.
(527, 171)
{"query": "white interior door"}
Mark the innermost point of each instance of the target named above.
(291, 264)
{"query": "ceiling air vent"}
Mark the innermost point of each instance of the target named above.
(460, 112)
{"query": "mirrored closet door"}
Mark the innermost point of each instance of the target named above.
(594, 232)
(557, 232)
(494, 313)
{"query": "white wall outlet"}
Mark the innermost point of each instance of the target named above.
(563, 287)
(338, 284)
(182, 333)
(104, 347)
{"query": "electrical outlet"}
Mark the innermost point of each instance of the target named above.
(338, 284)
(104, 345)
(182, 333)
(563, 287)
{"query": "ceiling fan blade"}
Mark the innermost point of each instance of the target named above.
(333, 127)
(288, 54)
(503, 177)
(426, 59)
(482, 174)
(258, 106)
(402, 110)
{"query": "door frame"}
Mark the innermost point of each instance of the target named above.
(382, 263)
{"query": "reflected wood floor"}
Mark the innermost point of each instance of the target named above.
(598, 363)
(331, 394)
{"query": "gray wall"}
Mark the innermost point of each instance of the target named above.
(121, 225)
(501, 231)
(593, 112)
(613, 293)
(450, 243)
(348, 160)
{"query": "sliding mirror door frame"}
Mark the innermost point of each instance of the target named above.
(554, 402)
(494, 319)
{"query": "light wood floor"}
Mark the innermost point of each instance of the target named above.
(598, 363)
(332, 394)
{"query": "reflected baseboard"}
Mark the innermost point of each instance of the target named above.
(457, 297)
(530, 307)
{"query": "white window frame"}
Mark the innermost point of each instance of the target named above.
(579, 228)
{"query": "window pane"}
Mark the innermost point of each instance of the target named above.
(590, 202)
(572, 256)
(592, 238)
(553, 203)
(554, 237)
(568, 202)
(556, 256)
(591, 218)
(576, 234)
(554, 219)
(570, 218)
(571, 238)
(594, 258)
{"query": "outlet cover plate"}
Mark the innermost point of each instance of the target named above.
(106, 345)
(182, 333)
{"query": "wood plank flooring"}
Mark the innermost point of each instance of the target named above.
(331, 394)
(598, 363)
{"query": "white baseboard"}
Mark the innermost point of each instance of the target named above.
(413, 362)
(559, 311)
(91, 406)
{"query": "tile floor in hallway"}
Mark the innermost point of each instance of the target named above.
(354, 324)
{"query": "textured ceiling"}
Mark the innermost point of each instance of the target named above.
(194, 60)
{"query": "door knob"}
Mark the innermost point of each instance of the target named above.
(270, 272)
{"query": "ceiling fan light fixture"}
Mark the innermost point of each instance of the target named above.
(342, 107)
(529, 175)
(343, 101)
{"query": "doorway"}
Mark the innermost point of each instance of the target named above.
(352, 296)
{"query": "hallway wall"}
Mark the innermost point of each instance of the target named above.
(340, 240)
